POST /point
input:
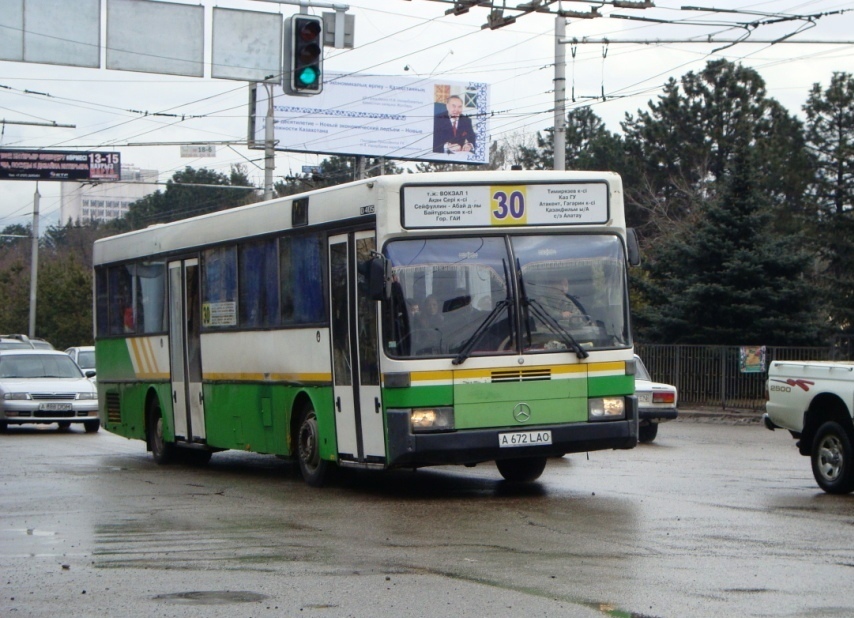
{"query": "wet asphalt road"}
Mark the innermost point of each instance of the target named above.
(710, 520)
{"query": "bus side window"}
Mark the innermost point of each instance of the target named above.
(219, 292)
(301, 268)
(120, 301)
(102, 295)
(258, 284)
(150, 280)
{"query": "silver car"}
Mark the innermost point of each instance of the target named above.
(45, 386)
(84, 356)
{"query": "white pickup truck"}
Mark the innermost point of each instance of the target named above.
(814, 401)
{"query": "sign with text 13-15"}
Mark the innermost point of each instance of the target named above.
(59, 165)
(432, 206)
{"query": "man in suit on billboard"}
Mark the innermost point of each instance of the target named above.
(453, 133)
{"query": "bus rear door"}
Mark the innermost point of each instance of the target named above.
(185, 350)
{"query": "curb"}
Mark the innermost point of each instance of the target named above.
(740, 417)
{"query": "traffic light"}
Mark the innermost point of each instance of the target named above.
(304, 55)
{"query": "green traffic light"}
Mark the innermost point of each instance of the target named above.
(307, 76)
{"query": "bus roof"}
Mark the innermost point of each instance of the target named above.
(336, 203)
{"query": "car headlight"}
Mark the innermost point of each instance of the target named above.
(606, 408)
(17, 396)
(423, 420)
(88, 396)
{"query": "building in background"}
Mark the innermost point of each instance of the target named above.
(84, 202)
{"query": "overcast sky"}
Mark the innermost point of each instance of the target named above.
(415, 38)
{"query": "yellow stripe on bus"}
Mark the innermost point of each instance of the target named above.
(144, 360)
(615, 368)
(148, 356)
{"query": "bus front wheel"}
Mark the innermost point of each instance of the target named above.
(162, 451)
(313, 469)
(521, 470)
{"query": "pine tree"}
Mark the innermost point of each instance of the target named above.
(830, 135)
(728, 278)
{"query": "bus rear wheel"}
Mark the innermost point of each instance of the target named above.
(162, 451)
(314, 470)
(522, 470)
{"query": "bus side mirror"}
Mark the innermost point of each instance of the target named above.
(379, 283)
(633, 247)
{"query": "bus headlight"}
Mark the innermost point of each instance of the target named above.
(606, 408)
(423, 420)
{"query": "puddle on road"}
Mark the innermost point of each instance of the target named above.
(31, 532)
(211, 597)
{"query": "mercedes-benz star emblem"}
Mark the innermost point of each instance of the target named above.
(522, 412)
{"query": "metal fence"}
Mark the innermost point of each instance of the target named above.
(711, 376)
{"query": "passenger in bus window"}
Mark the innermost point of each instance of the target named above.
(431, 314)
(558, 299)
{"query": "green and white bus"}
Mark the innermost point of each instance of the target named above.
(395, 322)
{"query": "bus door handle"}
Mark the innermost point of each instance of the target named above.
(200, 397)
(174, 396)
(377, 405)
(338, 403)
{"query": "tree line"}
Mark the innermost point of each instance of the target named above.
(743, 210)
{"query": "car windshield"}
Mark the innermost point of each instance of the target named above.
(86, 359)
(39, 366)
(505, 295)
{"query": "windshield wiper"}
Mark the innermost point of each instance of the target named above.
(548, 320)
(466, 348)
(554, 325)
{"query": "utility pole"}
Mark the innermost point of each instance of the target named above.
(35, 263)
(560, 95)
(269, 145)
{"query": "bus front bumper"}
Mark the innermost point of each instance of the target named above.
(471, 446)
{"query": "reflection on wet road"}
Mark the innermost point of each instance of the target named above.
(709, 520)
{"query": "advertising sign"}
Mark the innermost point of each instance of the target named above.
(751, 359)
(197, 151)
(380, 116)
(59, 165)
(502, 205)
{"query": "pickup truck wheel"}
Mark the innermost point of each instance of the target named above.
(833, 459)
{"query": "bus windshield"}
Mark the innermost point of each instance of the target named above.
(486, 295)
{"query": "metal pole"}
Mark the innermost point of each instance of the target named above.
(34, 263)
(560, 95)
(269, 143)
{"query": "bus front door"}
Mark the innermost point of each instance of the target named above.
(359, 426)
(185, 350)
